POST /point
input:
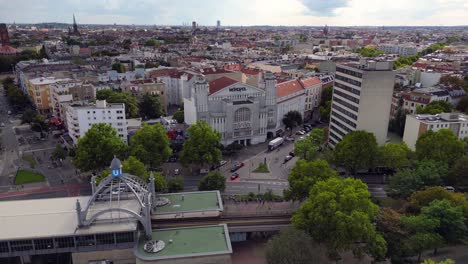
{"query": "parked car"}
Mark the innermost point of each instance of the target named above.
(221, 163)
(176, 172)
(300, 132)
(173, 159)
(237, 166)
(289, 138)
(291, 153)
(287, 158)
(234, 176)
(450, 188)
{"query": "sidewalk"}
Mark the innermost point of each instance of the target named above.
(72, 190)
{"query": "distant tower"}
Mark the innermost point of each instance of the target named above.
(218, 24)
(194, 25)
(75, 28)
(325, 30)
(4, 35)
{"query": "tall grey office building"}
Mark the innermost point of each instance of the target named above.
(362, 97)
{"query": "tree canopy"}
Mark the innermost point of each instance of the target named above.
(179, 116)
(97, 147)
(308, 147)
(135, 167)
(293, 246)
(304, 175)
(458, 175)
(338, 213)
(131, 104)
(395, 155)
(202, 147)
(409, 180)
(175, 184)
(151, 145)
(442, 145)
(213, 181)
(150, 106)
(357, 150)
(292, 119)
(435, 107)
(462, 105)
(59, 153)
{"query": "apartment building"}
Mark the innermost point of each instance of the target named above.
(80, 118)
(402, 50)
(417, 125)
(68, 91)
(38, 90)
(313, 92)
(362, 98)
(290, 96)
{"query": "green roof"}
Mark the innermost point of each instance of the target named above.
(191, 201)
(188, 242)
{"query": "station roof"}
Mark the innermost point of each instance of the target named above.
(40, 218)
(188, 242)
(190, 202)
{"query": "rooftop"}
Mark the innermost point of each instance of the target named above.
(191, 201)
(443, 117)
(220, 83)
(53, 217)
(287, 88)
(188, 242)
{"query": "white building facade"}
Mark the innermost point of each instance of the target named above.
(80, 118)
(417, 125)
(362, 98)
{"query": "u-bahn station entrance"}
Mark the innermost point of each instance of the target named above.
(113, 225)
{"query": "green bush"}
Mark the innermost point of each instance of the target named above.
(25, 176)
(262, 168)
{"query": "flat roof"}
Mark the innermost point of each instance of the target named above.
(38, 218)
(188, 242)
(191, 201)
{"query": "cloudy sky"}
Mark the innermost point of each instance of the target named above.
(239, 12)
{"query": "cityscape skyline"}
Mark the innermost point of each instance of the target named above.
(241, 13)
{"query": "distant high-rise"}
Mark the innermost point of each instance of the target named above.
(4, 35)
(325, 30)
(218, 24)
(362, 98)
(194, 25)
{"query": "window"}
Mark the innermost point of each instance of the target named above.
(94, 112)
(242, 115)
(88, 112)
(120, 117)
(119, 124)
(348, 80)
(349, 89)
(126, 237)
(21, 245)
(4, 247)
(120, 129)
(65, 242)
(40, 244)
(342, 118)
(349, 72)
(344, 111)
(105, 239)
(85, 241)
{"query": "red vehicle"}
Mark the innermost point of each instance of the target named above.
(234, 176)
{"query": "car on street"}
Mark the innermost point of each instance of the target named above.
(237, 166)
(234, 176)
(289, 138)
(307, 128)
(288, 158)
(221, 163)
(300, 132)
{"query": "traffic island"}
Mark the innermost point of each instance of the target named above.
(262, 168)
(26, 176)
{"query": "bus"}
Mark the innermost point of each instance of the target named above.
(275, 143)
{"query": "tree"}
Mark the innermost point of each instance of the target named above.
(135, 167)
(104, 94)
(458, 175)
(369, 51)
(151, 145)
(119, 67)
(97, 147)
(160, 184)
(151, 43)
(325, 111)
(213, 181)
(442, 145)
(395, 155)
(293, 246)
(131, 104)
(175, 185)
(397, 124)
(425, 197)
(29, 115)
(179, 116)
(326, 96)
(292, 119)
(338, 213)
(150, 106)
(462, 105)
(425, 173)
(304, 175)
(435, 107)
(59, 153)
(149, 65)
(202, 147)
(451, 220)
(310, 145)
(422, 234)
(388, 222)
(356, 151)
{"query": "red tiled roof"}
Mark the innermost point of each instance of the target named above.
(286, 88)
(250, 71)
(220, 83)
(207, 71)
(310, 81)
(7, 50)
(160, 73)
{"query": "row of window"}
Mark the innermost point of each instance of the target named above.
(67, 242)
(334, 136)
(345, 128)
(347, 96)
(346, 88)
(345, 120)
(348, 80)
(346, 104)
(338, 131)
(344, 111)
(349, 72)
